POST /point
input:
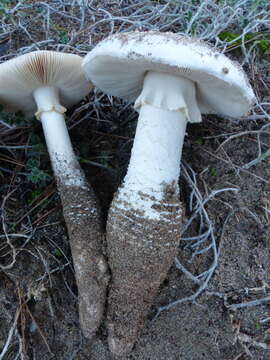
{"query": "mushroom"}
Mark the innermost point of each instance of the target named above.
(49, 82)
(173, 79)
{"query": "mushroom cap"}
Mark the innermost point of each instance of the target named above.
(117, 66)
(21, 76)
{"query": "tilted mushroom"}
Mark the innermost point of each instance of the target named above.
(45, 82)
(172, 79)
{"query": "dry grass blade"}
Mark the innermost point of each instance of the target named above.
(10, 335)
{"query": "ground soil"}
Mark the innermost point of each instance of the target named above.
(205, 329)
(41, 288)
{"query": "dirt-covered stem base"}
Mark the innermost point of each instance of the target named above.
(86, 237)
(140, 251)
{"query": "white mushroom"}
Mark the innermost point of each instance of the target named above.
(45, 83)
(172, 79)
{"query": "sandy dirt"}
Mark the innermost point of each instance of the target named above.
(206, 329)
(39, 317)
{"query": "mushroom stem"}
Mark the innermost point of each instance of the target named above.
(155, 157)
(80, 212)
(144, 223)
(65, 165)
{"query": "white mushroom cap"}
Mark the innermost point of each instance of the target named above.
(117, 65)
(21, 76)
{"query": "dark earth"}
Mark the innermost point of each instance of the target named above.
(38, 295)
(43, 282)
